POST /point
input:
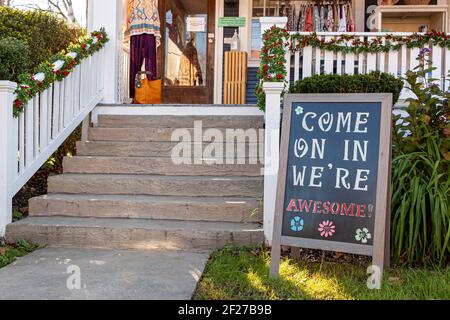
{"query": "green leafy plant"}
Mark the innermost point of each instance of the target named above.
(421, 172)
(17, 215)
(14, 56)
(44, 33)
(273, 61)
(9, 254)
(374, 82)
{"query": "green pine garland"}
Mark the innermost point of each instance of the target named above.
(29, 86)
(273, 60)
(347, 43)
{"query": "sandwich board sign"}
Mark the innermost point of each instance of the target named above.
(334, 178)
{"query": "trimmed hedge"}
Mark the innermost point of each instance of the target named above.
(374, 82)
(45, 34)
(14, 58)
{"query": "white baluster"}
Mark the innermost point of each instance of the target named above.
(329, 59)
(29, 131)
(307, 62)
(43, 141)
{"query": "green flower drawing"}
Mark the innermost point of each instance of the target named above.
(363, 235)
(299, 110)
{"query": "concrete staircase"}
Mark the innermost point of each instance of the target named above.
(123, 191)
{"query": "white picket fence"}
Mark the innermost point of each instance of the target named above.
(28, 141)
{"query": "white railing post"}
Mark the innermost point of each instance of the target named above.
(108, 14)
(8, 152)
(273, 91)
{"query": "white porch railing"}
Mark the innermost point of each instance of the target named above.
(312, 60)
(49, 118)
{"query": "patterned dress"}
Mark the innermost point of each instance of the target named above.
(143, 18)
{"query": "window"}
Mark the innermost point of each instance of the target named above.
(261, 8)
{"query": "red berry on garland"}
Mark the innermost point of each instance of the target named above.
(84, 46)
(66, 73)
(59, 72)
(279, 76)
(17, 103)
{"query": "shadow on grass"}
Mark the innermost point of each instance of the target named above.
(243, 273)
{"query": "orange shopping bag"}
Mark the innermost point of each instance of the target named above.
(147, 91)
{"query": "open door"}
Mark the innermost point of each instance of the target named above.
(186, 56)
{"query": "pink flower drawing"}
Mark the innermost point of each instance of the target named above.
(327, 229)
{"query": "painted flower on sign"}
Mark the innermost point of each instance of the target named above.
(327, 229)
(363, 235)
(297, 224)
(299, 111)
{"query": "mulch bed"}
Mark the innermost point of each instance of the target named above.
(36, 187)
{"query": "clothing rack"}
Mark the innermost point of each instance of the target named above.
(318, 2)
(317, 15)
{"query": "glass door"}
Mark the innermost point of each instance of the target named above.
(188, 44)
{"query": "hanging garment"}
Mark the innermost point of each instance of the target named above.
(330, 19)
(297, 17)
(351, 21)
(294, 19)
(323, 19)
(316, 14)
(342, 20)
(190, 73)
(302, 19)
(290, 16)
(335, 17)
(142, 47)
(143, 18)
(309, 20)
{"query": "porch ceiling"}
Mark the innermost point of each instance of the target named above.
(192, 7)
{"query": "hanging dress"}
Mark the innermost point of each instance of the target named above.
(309, 20)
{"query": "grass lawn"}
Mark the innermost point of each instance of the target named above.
(9, 253)
(242, 273)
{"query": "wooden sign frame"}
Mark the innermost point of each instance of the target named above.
(380, 250)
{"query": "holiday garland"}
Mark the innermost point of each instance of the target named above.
(273, 60)
(276, 40)
(57, 68)
(347, 43)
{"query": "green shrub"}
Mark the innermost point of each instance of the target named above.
(14, 57)
(421, 174)
(374, 82)
(44, 33)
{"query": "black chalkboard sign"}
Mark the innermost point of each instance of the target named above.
(333, 191)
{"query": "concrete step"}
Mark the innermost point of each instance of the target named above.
(162, 121)
(196, 186)
(158, 149)
(165, 134)
(148, 207)
(162, 166)
(137, 234)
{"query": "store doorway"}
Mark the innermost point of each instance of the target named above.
(187, 52)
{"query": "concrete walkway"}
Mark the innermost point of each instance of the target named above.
(79, 274)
